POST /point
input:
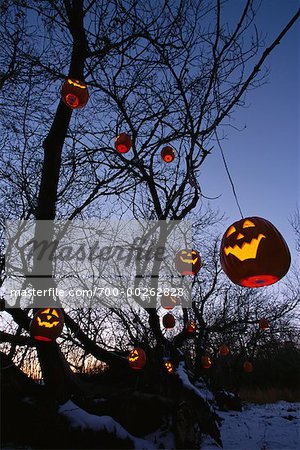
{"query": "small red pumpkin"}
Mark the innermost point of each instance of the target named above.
(123, 143)
(248, 367)
(168, 302)
(137, 358)
(264, 324)
(223, 350)
(168, 321)
(47, 324)
(167, 154)
(253, 253)
(188, 262)
(74, 93)
(169, 366)
(206, 362)
(190, 328)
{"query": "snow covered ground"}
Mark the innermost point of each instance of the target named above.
(274, 426)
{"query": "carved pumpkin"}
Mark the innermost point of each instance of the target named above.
(168, 321)
(224, 350)
(74, 93)
(188, 262)
(248, 367)
(264, 324)
(253, 253)
(123, 143)
(169, 366)
(167, 154)
(168, 302)
(206, 362)
(137, 358)
(47, 324)
(190, 328)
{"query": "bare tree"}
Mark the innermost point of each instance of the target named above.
(166, 73)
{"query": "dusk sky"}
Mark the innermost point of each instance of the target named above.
(263, 159)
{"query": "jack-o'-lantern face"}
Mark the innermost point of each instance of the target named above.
(137, 358)
(169, 366)
(190, 328)
(253, 253)
(74, 93)
(47, 324)
(188, 262)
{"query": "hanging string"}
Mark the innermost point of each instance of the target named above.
(229, 176)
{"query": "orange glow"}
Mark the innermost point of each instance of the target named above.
(123, 143)
(167, 154)
(224, 350)
(72, 100)
(259, 280)
(137, 358)
(248, 250)
(74, 93)
(206, 362)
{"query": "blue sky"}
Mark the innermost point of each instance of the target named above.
(264, 158)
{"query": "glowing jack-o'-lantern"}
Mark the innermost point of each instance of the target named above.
(169, 366)
(206, 362)
(74, 93)
(190, 328)
(264, 324)
(167, 154)
(168, 321)
(47, 324)
(223, 350)
(168, 302)
(248, 367)
(253, 253)
(137, 358)
(188, 262)
(123, 143)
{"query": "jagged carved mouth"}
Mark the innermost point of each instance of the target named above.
(248, 250)
(189, 261)
(47, 324)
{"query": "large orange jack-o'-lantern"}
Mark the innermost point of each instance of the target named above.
(123, 143)
(47, 324)
(74, 93)
(253, 253)
(137, 358)
(188, 262)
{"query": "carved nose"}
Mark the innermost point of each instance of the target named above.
(49, 317)
(239, 236)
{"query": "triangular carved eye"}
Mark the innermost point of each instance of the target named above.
(54, 312)
(248, 224)
(46, 311)
(230, 231)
